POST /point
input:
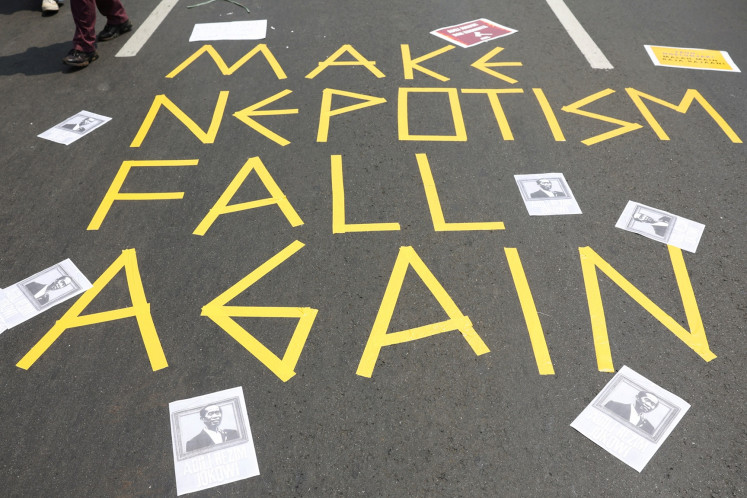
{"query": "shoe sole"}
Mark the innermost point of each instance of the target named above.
(81, 64)
(115, 35)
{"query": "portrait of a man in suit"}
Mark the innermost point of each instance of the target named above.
(41, 292)
(546, 191)
(211, 434)
(635, 413)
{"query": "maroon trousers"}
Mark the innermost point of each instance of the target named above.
(84, 15)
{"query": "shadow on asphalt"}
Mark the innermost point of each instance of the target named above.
(8, 7)
(36, 60)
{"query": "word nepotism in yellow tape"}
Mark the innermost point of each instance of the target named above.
(337, 102)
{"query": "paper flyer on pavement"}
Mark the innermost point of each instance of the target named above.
(661, 225)
(691, 58)
(39, 292)
(631, 417)
(471, 33)
(547, 194)
(234, 30)
(211, 441)
(74, 127)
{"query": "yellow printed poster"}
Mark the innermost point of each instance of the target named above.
(691, 58)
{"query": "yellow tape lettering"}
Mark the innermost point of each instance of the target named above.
(338, 206)
(484, 65)
(245, 116)
(206, 137)
(552, 120)
(460, 132)
(276, 197)
(434, 204)
(114, 194)
(695, 338)
(224, 69)
(326, 111)
(359, 61)
(140, 309)
(625, 126)
(222, 314)
(690, 96)
(409, 64)
(500, 116)
(531, 317)
(379, 338)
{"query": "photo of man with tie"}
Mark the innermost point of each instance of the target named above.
(211, 434)
(546, 190)
(635, 414)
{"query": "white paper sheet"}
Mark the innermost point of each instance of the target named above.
(196, 423)
(547, 194)
(631, 417)
(661, 225)
(3, 324)
(39, 292)
(74, 127)
(236, 30)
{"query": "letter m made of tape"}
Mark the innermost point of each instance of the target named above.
(223, 315)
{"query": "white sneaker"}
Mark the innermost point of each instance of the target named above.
(50, 6)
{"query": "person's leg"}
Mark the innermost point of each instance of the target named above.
(84, 16)
(113, 10)
(117, 22)
(84, 40)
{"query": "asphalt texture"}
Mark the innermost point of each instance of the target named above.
(90, 417)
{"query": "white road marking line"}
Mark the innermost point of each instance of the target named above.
(578, 34)
(144, 32)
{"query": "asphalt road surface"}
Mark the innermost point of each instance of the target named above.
(430, 416)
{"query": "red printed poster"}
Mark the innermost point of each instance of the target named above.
(470, 33)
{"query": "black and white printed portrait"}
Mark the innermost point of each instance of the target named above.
(651, 222)
(48, 287)
(80, 124)
(643, 411)
(635, 411)
(546, 188)
(212, 433)
(208, 428)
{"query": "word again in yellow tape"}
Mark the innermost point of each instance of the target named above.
(691, 58)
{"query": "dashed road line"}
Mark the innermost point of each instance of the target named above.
(578, 34)
(149, 26)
